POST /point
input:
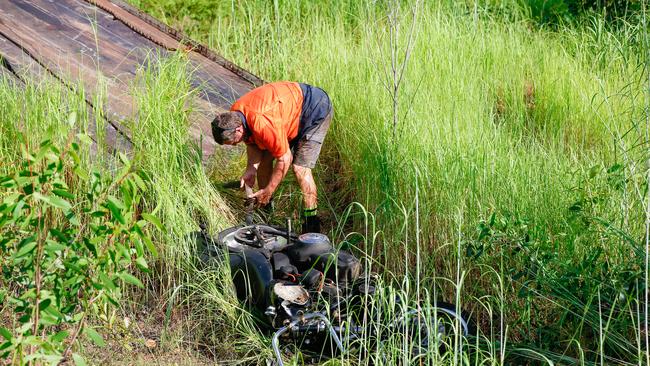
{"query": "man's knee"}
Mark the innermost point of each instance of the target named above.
(301, 171)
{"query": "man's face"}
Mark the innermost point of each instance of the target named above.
(239, 136)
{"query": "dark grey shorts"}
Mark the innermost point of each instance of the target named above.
(306, 151)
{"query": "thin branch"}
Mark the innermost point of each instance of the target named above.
(411, 40)
(645, 195)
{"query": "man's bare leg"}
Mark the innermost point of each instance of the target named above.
(307, 186)
(310, 219)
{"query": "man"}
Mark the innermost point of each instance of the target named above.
(286, 122)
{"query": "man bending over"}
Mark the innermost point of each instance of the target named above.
(285, 122)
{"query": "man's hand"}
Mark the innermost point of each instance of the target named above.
(279, 171)
(248, 178)
(263, 196)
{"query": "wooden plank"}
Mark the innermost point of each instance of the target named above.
(7, 76)
(64, 47)
(20, 65)
(76, 40)
(143, 28)
(204, 109)
(218, 82)
(197, 47)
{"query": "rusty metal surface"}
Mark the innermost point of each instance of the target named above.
(101, 46)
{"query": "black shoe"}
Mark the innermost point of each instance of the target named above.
(311, 224)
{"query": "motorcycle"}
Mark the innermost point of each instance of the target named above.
(308, 293)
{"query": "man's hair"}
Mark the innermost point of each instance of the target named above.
(224, 125)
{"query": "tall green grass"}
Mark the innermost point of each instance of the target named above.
(186, 303)
(185, 199)
(514, 185)
(527, 144)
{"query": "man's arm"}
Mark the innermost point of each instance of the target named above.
(280, 169)
(254, 155)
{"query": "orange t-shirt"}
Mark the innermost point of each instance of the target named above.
(272, 114)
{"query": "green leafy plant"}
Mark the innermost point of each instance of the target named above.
(556, 11)
(68, 244)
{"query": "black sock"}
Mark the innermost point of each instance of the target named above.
(310, 221)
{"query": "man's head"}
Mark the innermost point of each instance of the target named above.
(227, 128)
